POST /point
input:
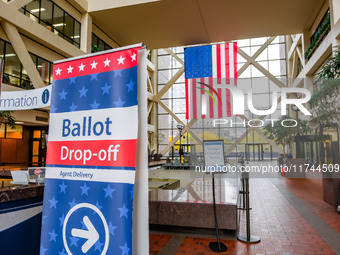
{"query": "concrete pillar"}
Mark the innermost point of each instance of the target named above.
(86, 33)
(23, 55)
(334, 8)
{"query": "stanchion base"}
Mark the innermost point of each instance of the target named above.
(253, 239)
(214, 247)
(241, 208)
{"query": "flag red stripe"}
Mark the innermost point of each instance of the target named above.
(227, 64)
(220, 114)
(235, 62)
(228, 103)
(211, 102)
(218, 64)
(187, 99)
(194, 99)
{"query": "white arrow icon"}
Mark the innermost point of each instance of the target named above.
(91, 234)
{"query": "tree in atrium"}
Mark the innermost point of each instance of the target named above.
(7, 118)
(326, 101)
(284, 135)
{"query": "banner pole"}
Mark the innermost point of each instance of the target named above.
(140, 239)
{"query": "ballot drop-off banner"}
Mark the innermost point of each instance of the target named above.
(91, 155)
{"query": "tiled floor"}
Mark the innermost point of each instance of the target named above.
(157, 242)
(283, 214)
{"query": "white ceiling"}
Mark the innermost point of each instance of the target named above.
(167, 23)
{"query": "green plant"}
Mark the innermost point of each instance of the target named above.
(7, 118)
(327, 99)
(94, 48)
(282, 135)
(323, 28)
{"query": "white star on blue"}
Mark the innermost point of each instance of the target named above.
(112, 229)
(123, 211)
(53, 202)
(130, 86)
(108, 191)
(73, 203)
(119, 103)
(83, 92)
(84, 189)
(73, 80)
(42, 250)
(94, 105)
(62, 219)
(63, 188)
(125, 249)
(73, 107)
(74, 241)
(106, 89)
(98, 246)
(53, 236)
(62, 95)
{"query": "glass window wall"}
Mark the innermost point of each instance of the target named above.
(272, 59)
(54, 18)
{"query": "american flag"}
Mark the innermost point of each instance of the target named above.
(90, 190)
(209, 70)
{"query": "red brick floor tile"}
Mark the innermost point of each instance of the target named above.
(310, 191)
(281, 227)
(157, 242)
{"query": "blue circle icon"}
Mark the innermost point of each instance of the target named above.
(45, 96)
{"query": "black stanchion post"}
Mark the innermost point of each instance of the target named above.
(243, 192)
(248, 238)
(216, 246)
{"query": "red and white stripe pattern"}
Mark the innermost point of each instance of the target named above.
(199, 104)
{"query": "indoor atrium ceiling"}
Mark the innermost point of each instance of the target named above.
(167, 23)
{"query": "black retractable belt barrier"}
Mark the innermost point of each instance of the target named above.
(247, 238)
(216, 246)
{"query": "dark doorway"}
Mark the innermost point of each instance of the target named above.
(37, 153)
(254, 151)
